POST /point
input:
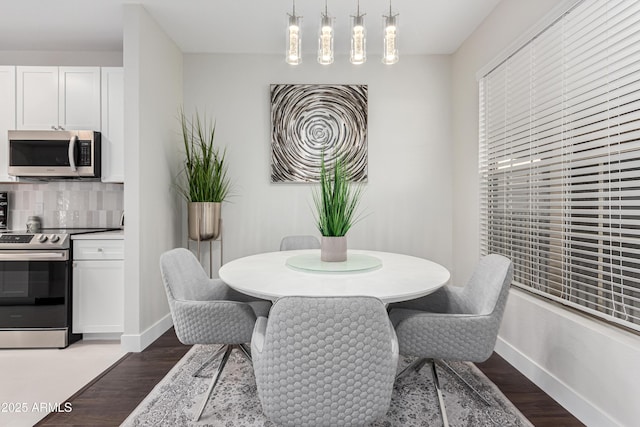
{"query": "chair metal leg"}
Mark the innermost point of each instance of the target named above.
(419, 363)
(415, 365)
(209, 361)
(244, 350)
(436, 382)
(214, 380)
(453, 371)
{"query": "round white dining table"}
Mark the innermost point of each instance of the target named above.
(388, 276)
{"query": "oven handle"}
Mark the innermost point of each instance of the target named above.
(34, 256)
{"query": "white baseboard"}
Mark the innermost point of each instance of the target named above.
(101, 336)
(560, 392)
(138, 342)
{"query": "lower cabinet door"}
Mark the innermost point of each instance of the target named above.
(98, 296)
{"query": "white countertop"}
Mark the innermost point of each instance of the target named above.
(106, 235)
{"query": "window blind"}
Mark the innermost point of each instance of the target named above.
(560, 161)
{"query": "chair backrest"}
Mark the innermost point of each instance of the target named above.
(201, 311)
(326, 361)
(185, 279)
(290, 243)
(487, 290)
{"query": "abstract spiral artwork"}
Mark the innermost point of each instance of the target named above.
(309, 120)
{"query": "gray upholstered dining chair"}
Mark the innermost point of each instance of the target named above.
(325, 361)
(455, 323)
(289, 243)
(207, 311)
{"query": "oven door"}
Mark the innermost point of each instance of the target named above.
(34, 289)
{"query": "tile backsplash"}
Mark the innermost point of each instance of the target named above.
(73, 204)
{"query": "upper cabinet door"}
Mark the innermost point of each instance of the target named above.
(112, 124)
(7, 115)
(79, 101)
(58, 98)
(37, 98)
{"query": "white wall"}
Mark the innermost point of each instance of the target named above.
(153, 94)
(408, 195)
(589, 367)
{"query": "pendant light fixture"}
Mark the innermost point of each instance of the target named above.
(325, 40)
(358, 55)
(358, 38)
(390, 47)
(294, 39)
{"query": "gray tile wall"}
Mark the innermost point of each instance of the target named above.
(73, 204)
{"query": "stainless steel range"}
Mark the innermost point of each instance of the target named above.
(35, 288)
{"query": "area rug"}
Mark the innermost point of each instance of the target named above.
(235, 402)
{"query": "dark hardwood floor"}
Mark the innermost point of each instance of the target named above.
(109, 398)
(534, 403)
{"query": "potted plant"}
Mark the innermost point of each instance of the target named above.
(206, 184)
(336, 203)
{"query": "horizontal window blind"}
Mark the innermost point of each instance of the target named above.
(560, 161)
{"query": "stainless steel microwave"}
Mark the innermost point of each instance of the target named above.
(54, 153)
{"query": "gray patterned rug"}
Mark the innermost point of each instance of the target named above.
(175, 400)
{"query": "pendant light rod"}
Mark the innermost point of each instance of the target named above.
(358, 17)
(391, 15)
(293, 12)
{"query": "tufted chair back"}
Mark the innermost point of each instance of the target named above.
(325, 361)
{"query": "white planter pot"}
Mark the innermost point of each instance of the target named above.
(333, 249)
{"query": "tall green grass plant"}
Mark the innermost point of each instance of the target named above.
(205, 167)
(336, 200)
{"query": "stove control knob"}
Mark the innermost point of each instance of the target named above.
(42, 238)
(54, 238)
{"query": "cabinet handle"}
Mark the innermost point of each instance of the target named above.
(99, 249)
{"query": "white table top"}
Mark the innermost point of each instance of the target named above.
(400, 278)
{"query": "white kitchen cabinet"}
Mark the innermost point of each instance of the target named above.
(37, 97)
(58, 97)
(98, 286)
(7, 116)
(79, 98)
(112, 124)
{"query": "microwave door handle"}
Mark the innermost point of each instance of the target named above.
(72, 153)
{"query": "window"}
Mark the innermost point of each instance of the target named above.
(560, 161)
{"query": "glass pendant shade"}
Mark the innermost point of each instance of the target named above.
(358, 40)
(294, 41)
(325, 40)
(390, 47)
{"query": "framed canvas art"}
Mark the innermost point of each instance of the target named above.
(312, 120)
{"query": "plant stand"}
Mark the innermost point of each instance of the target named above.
(218, 239)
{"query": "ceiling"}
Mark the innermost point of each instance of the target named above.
(236, 26)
